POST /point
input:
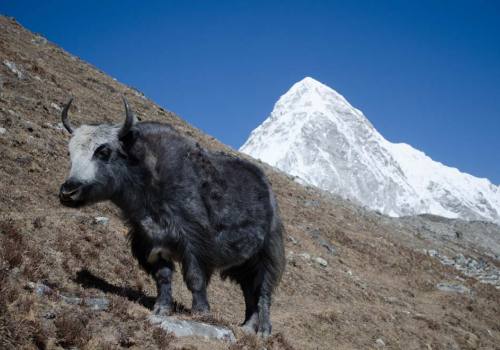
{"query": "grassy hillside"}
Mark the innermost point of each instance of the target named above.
(376, 290)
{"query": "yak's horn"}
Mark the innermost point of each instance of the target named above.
(64, 117)
(129, 119)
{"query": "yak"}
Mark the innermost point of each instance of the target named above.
(183, 204)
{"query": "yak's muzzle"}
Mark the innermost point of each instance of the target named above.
(70, 192)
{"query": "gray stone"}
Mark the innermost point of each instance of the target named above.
(318, 237)
(321, 261)
(59, 126)
(3, 131)
(472, 263)
(327, 245)
(39, 288)
(55, 106)
(71, 299)
(97, 304)
(447, 261)
(305, 256)
(379, 343)
(472, 267)
(39, 40)
(49, 315)
(185, 328)
(13, 68)
(102, 220)
(432, 252)
(452, 288)
(311, 203)
(460, 259)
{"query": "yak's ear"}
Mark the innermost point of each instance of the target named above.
(128, 140)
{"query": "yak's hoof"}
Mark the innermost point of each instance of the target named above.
(251, 325)
(162, 310)
(248, 329)
(264, 332)
(200, 311)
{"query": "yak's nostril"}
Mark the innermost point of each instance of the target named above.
(66, 192)
(69, 188)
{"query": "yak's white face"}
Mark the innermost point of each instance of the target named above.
(95, 158)
(82, 146)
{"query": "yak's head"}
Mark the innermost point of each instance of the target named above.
(98, 160)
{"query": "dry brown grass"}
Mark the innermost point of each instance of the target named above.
(278, 342)
(12, 244)
(251, 342)
(16, 334)
(16, 331)
(71, 329)
(245, 342)
(162, 338)
(329, 317)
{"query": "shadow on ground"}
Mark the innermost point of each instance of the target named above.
(87, 279)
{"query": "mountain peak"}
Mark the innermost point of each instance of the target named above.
(308, 81)
(313, 133)
(310, 85)
(312, 94)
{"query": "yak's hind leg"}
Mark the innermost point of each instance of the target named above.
(251, 322)
(246, 276)
(255, 284)
(258, 256)
(258, 278)
(271, 266)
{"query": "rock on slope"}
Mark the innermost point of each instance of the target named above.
(315, 134)
(370, 287)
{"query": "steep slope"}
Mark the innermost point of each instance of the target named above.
(374, 285)
(315, 134)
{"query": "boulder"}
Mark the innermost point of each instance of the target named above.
(186, 328)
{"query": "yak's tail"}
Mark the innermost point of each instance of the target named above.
(274, 250)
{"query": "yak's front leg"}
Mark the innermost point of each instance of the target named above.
(162, 273)
(196, 278)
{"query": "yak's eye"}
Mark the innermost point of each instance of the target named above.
(103, 152)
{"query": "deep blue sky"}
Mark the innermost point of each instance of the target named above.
(425, 72)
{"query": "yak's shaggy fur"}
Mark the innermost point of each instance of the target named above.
(183, 203)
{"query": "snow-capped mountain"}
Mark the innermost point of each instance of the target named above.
(315, 134)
